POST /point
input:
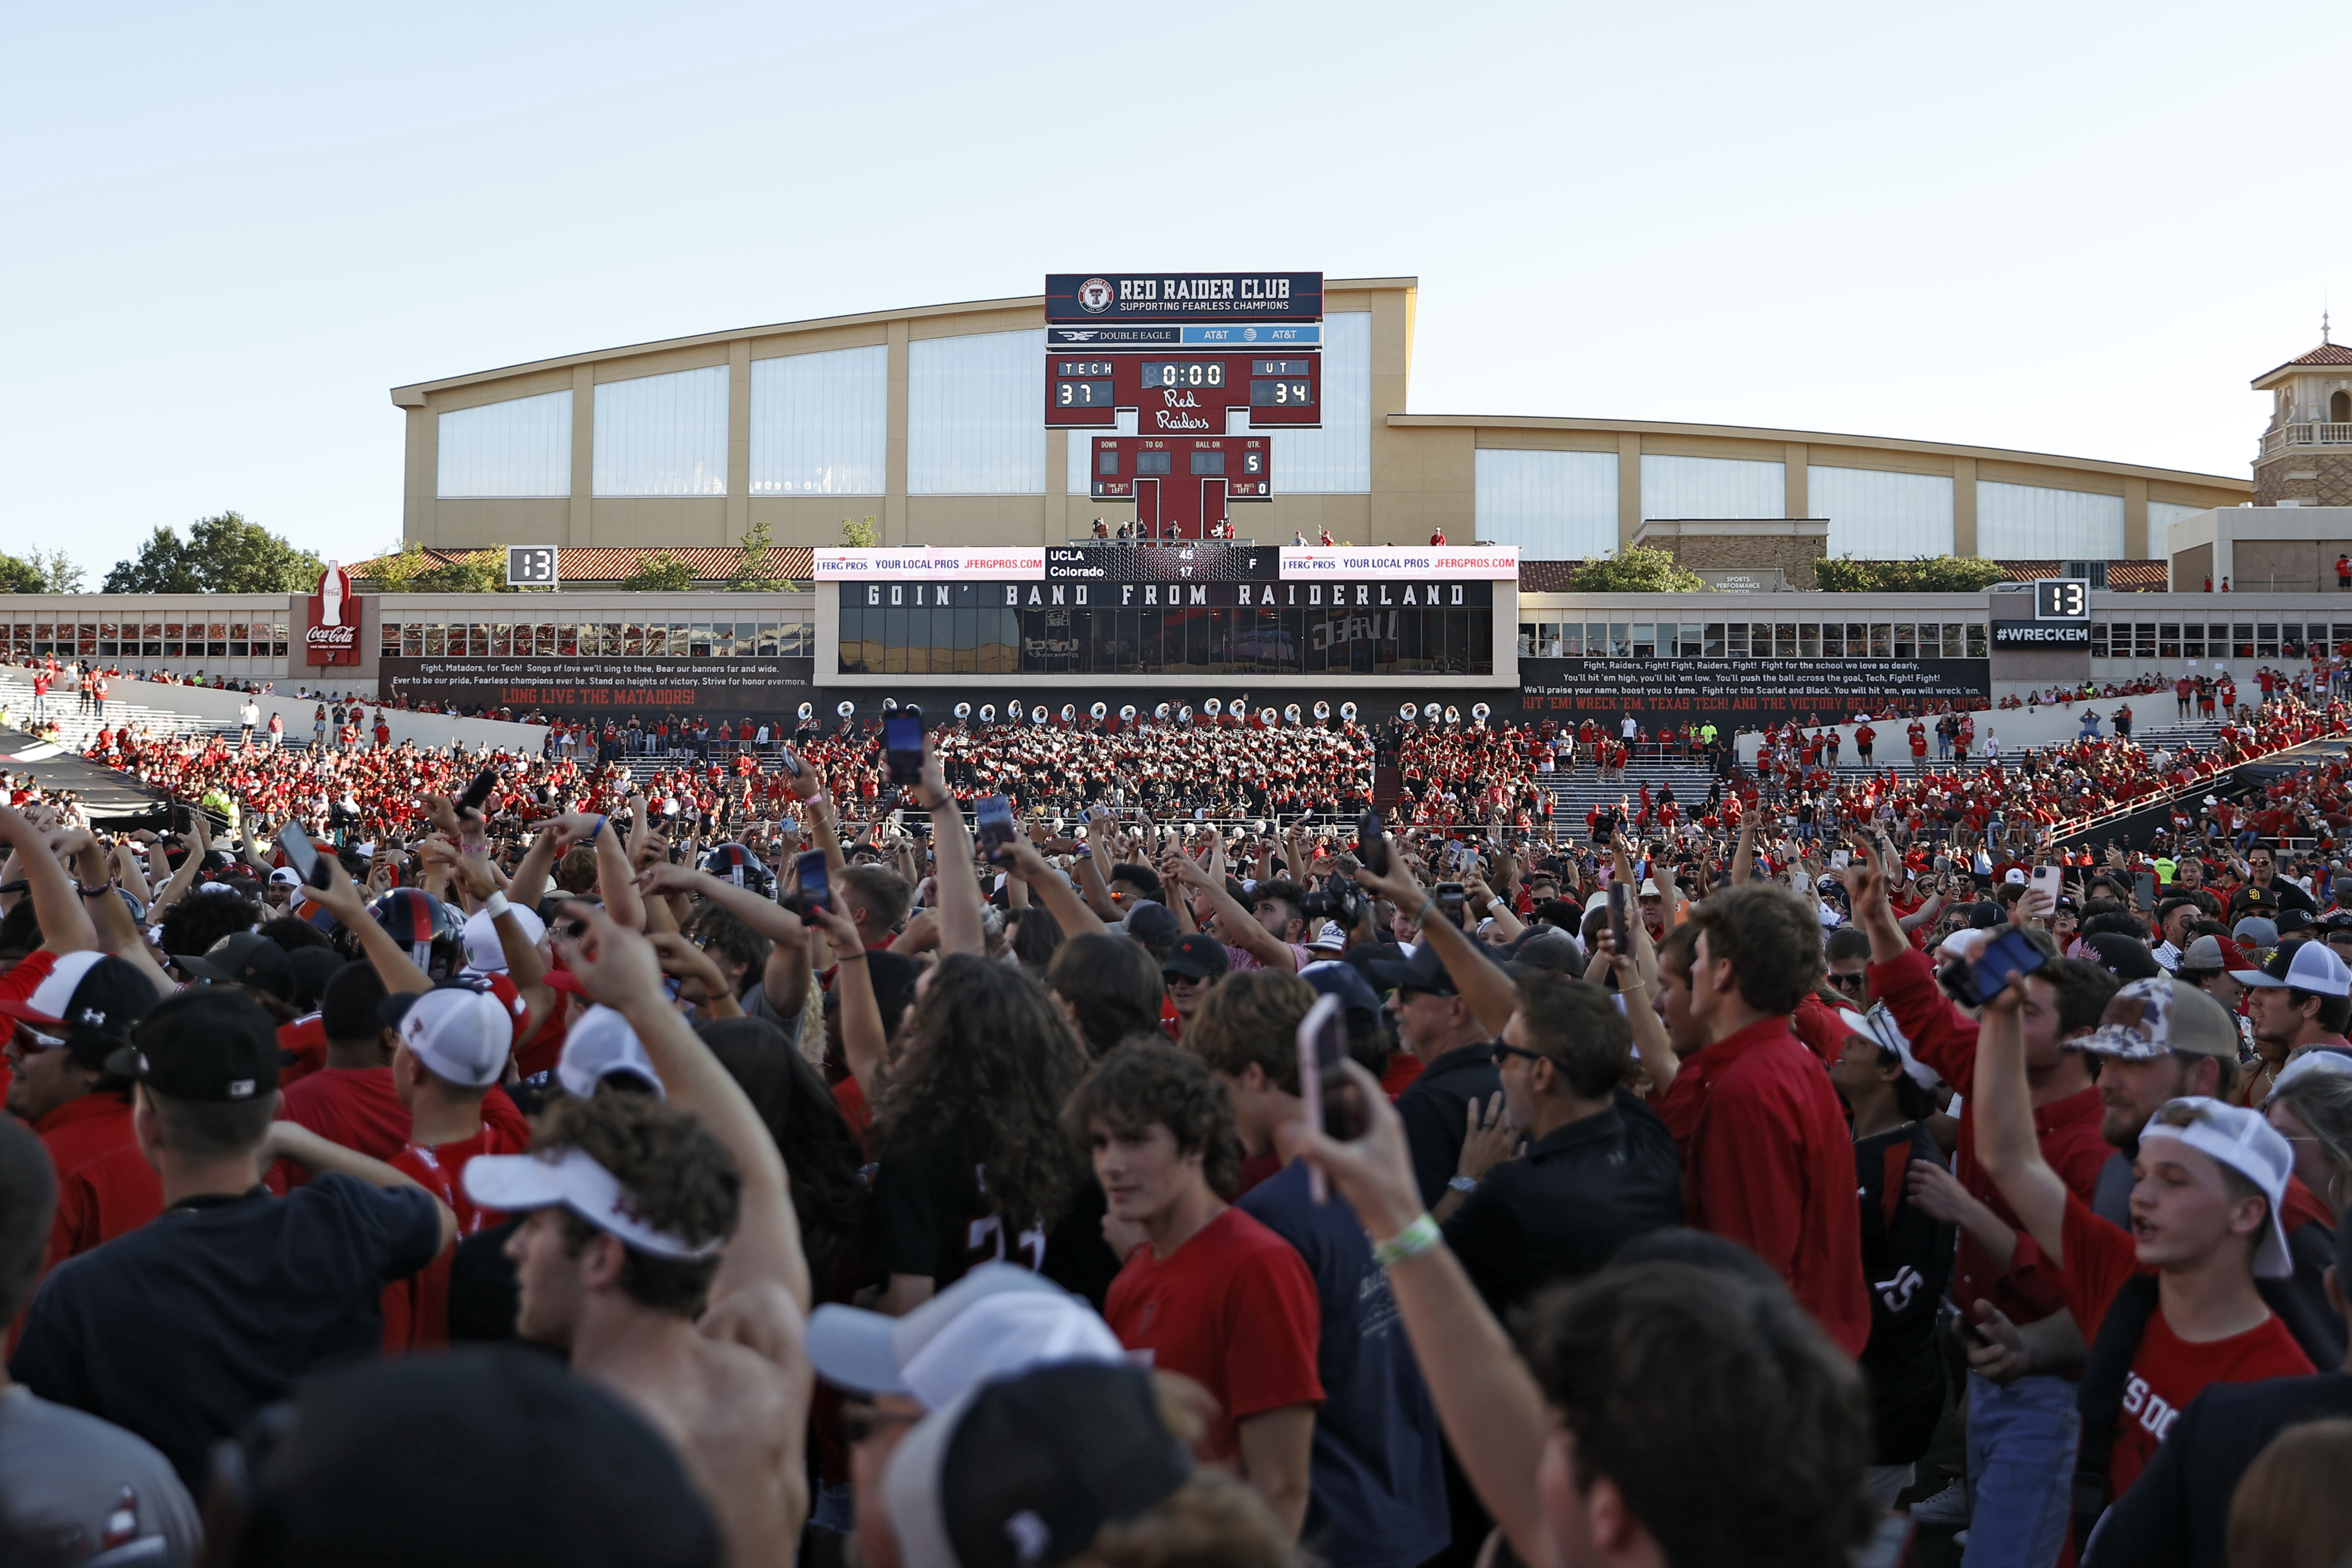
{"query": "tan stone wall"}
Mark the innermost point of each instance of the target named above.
(1793, 557)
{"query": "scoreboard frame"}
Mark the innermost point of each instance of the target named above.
(1088, 389)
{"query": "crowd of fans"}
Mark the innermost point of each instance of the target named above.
(1131, 1188)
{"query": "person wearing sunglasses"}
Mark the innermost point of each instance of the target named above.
(1847, 953)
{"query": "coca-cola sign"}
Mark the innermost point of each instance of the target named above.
(332, 636)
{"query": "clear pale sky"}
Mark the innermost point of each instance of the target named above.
(2075, 228)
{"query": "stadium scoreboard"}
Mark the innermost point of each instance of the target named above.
(1195, 359)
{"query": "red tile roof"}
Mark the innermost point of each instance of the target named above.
(2326, 353)
(2123, 576)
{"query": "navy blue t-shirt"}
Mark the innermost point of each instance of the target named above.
(181, 1330)
(1377, 1493)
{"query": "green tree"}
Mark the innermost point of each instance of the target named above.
(222, 554)
(753, 573)
(859, 534)
(395, 571)
(475, 572)
(1638, 569)
(659, 573)
(21, 577)
(1940, 575)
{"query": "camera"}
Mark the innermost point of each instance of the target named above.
(1338, 899)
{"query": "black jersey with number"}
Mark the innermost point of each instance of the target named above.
(1906, 1259)
(931, 1216)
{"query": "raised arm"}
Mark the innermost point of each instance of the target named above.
(1053, 891)
(1235, 924)
(618, 968)
(65, 925)
(864, 1040)
(1493, 996)
(959, 901)
(2006, 1146)
(340, 898)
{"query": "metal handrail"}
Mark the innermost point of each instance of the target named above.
(2150, 802)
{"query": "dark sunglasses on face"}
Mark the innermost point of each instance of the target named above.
(1848, 981)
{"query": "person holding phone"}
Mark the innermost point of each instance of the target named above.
(2020, 1435)
(1376, 1486)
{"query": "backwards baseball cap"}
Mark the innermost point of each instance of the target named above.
(484, 954)
(2246, 1144)
(600, 1046)
(2125, 957)
(1331, 938)
(460, 1034)
(86, 1003)
(244, 958)
(1152, 924)
(2254, 930)
(2312, 966)
(2148, 1019)
(997, 1320)
(1200, 957)
(1332, 977)
(2216, 953)
(218, 1046)
(573, 1179)
(2310, 1061)
(1024, 1472)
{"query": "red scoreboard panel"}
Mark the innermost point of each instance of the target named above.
(1180, 486)
(1176, 391)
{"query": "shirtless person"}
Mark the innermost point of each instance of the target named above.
(662, 1252)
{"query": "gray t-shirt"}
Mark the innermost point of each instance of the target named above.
(75, 1479)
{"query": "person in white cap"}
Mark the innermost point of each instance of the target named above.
(661, 1251)
(2300, 999)
(2211, 1179)
(450, 1047)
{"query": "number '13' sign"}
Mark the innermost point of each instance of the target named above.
(2061, 599)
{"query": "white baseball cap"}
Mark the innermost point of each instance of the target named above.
(997, 1320)
(2246, 1144)
(2314, 968)
(484, 955)
(574, 1180)
(600, 1046)
(459, 1034)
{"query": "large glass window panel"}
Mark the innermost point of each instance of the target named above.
(1906, 639)
(1956, 640)
(853, 640)
(2144, 639)
(1646, 639)
(663, 434)
(520, 446)
(964, 622)
(1737, 645)
(1882, 639)
(2266, 640)
(1833, 639)
(972, 421)
(1784, 640)
(819, 422)
(1338, 458)
(1876, 515)
(1711, 488)
(2035, 522)
(894, 638)
(1714, 644)
(1621, 639)
(1977, 648)
(2168, 640)
(1552, 505)
(1482, 642)
(1809, 639)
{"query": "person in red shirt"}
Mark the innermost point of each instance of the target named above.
(451, 1047)
(105, 1186)
(2209, 1181)
(1211, 1293)
(1767, 1159)
(351, 1100)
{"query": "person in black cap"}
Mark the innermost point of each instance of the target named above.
(1195, 964)
(479, 1460)
(1065, 1463)
(1450, 1001)
(182, 1329)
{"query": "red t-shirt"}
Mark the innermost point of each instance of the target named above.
(1768, 1162)
(417, 1310)
(305, 1039)
(2167, 1371)
(85, 1129)
(355, 1106)
(1234, 1310)
(102, 1199)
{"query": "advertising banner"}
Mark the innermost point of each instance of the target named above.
(1497, 562)
(1079, 298)
(2041, 633)
(925, 564)
(331, 635)
(599, 688)
(1742, 694)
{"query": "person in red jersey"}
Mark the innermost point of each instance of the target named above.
(451, 1045)
(1210, 1292)
(2170, 1306)
(1767, 1159)
(351, 1101)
